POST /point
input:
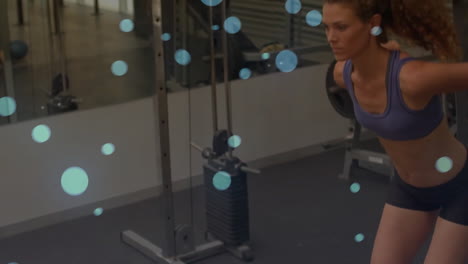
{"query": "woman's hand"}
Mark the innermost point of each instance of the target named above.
(391, 45)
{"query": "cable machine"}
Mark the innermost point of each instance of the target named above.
(226, 210)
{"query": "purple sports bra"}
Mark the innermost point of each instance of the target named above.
(398, 122)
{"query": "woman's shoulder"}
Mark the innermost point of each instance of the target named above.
(408, 75)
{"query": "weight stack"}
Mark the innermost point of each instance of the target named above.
(227, 211)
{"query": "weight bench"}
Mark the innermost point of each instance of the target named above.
(370, 160)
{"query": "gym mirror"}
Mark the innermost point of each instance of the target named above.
(60, 56)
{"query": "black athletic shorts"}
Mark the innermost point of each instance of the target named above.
(451, 197)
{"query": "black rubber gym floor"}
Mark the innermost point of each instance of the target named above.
(300, 212)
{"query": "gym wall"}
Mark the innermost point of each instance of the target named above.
(279, 117)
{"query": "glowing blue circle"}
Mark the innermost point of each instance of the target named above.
(98, 211)
(108, 149)
(266, 56)
(166, 36)
(215, 27)
(234, 141)
(126, 25)
(359, 238)
(41, 133)
(286, 61)
(7, 106)
(376, 31)
(222, 181)
(119, 68)
(245, 73)
(293, 6)
(74, 181)
(232, 25)
(444, 164)
(314, 18)
(211, 2)
(355, 187)
(182, 57)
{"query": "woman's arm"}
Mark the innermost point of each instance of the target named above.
(430, 78)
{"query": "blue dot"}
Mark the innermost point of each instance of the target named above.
(222, 181)
(74, 181)
(7, 106)
(245, 73)
(41, 133)
(215, 27)
(314, 18)
(232, 25)
(266, 56)
(119, 68)
(234, 141)
(212, 2)
(286, 61)
(166, 36)
(293, 6)
(444, 164)
(183, 57)
(108, 149)
(126, 25)
(359, 238)
(355, 187)
(98, 211)
(376, 31)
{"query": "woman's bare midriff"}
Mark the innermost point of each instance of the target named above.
(415, 160)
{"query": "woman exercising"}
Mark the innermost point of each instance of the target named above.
(399, 98)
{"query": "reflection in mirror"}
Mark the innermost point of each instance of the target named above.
(61, 56)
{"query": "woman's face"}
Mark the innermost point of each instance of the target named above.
(346, 33)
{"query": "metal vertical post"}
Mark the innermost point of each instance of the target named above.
(59, 25)
(167, 251)
(298, 38)
(96, 8)
(184, 29)
(56, 16)
(20, 12)
(50, 24)
(290, 29)
(227, 83)
(7, 63)
(162, 123)
(213, 75)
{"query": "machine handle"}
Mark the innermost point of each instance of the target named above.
(243, 168)
(247, 170)
(196, 146)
